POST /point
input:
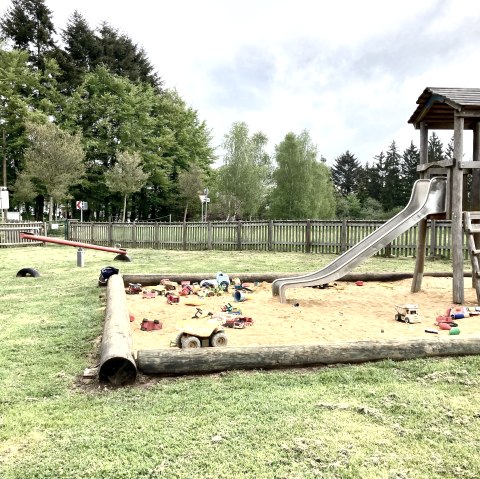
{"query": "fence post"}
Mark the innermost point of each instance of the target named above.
(134, 234)
(433, 238)
(308, 237)
(343, 236)
(239, 235)
(270, 236)
(184, 236)
(157, 235)
(110, 234)
(92, 233)
(209, 235)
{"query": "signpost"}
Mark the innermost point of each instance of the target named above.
(4, 202)
(81, 205)
(204, 199)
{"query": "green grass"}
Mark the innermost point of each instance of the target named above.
(412, 419)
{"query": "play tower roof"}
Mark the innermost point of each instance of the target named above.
(436, 107)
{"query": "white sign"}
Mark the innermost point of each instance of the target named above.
(204, 198)
(81, 205)
(4, 202)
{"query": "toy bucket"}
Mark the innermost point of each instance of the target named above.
(239, 296)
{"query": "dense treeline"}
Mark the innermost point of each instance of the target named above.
(87, 117)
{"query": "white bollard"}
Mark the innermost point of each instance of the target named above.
(80, 258)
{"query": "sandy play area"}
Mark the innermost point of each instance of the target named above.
(341, 312)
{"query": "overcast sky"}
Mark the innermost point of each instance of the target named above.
(349, 72)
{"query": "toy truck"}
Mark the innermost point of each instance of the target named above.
(407, 313)
(197, 333)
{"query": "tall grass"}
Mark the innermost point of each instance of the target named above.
(412, 419)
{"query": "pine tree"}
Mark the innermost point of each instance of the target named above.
(391, 196)
(28, 25)
(345, 173)
(80, 53)
(435, 149)
(409, 163)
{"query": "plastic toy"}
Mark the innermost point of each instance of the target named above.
(408, 313)
(197, 333)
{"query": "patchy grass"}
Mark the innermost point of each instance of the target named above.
(412, 419)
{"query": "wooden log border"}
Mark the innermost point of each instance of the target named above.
(211, 360)
(154, 279)
(117, 364)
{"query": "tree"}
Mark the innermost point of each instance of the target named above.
(409, 163)
(28, 24)
(391, 193)
(244, 176)
(345, 173)
(302, 185)
(80, 53)
(435, 149)
(126, 176)
(191, 183)
(53, 162)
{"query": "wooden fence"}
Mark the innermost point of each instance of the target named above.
(10, 233)
(309, 236)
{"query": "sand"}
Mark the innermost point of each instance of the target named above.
(342, 312)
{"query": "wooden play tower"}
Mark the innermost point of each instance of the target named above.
(456, 109)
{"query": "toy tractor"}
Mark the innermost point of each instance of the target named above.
(408, 313)
(201, 332)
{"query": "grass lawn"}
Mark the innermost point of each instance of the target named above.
(411, 419)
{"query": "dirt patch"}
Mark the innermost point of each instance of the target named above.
(341, 312)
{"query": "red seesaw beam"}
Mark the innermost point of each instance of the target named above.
(48, 239)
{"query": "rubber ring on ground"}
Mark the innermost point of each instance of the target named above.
(28, 272)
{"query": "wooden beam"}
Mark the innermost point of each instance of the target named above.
(439, 164)
(116, 361)
(171, 362)
(457, 231)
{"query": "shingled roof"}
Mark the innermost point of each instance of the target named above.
(436, 107)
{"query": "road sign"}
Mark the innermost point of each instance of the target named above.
(81, 205)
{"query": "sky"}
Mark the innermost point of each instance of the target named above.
(348, 71)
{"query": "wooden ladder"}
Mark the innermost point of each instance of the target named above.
(471, 225)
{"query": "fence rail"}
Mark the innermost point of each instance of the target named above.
(10, 233)
(309, 236)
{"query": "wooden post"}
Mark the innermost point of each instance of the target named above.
(184, 236)
(209, 235)
(308, 237)
(116, 361)
(110, 234)
(475, 193)
(422, 224)
(457, 231)
(157, 235)
(433, 238)
(270, 235)
(239, 235)
(207, 360)
(344, 236)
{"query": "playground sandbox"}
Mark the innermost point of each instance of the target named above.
(346, 322)
(341, 312)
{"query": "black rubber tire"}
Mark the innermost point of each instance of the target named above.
(191, 342)
(122, 257)
(28, 272)
(223, 286)
(398, 317)
(218, 340)
(178, 340)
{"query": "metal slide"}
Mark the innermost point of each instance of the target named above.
(428, 197)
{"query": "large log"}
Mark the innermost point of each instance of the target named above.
(117, 364)
(209, 360)
(154, 279)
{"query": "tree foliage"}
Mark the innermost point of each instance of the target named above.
(28, 25)
(53, 162)
(126, 176)
(302, 185)
(345, 173)
(244, 176)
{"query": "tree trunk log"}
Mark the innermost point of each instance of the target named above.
(209, 360)
(154, 279)
(116, 361)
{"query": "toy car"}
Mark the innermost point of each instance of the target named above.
(408, 313)
(197, 333)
